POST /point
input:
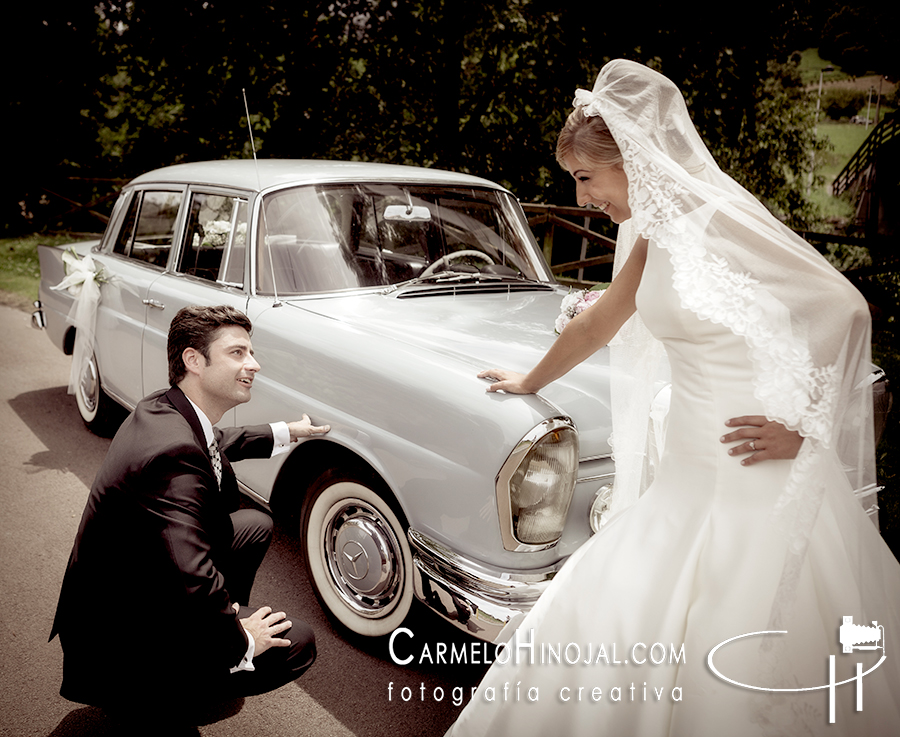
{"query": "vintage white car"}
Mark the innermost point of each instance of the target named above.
(377, 293)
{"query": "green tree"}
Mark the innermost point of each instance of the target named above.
(480, 86)
(50, 74)
(860, 35)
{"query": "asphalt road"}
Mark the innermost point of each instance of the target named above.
(48, 462)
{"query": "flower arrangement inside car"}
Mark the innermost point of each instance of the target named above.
(574, 303)
(215, 234)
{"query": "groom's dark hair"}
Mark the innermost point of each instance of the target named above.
(197, 327)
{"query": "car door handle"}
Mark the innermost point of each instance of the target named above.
(154, 303)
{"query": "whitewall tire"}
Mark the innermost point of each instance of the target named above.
(97, 410)
(357, 555)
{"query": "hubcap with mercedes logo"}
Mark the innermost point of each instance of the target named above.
(363, 553)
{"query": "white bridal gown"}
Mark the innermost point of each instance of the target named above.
(693, 563)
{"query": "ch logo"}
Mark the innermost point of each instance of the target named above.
(852, 637)
(356, 563)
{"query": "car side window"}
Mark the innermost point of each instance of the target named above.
(148, 229)
(126, 232)
(215, 239)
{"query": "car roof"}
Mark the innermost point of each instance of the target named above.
(267, 173)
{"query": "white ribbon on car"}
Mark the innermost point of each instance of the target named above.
(82, 281)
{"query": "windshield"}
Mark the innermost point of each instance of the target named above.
(329, 237)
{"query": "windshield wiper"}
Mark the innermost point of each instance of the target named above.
(439, 277)
(460, 277)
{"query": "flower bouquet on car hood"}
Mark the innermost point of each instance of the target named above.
(574, 303)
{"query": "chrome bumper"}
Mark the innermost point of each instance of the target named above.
(487, 604)
(38, 319)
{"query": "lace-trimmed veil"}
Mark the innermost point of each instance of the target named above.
(806, 327)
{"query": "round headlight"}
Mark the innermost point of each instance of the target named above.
(536, 484)
(541, 488)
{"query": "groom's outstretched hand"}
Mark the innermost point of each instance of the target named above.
(304, 428)
(764, 439)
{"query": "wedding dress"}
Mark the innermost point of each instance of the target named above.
(753, 322)
(693, 563)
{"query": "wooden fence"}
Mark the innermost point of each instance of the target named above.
(547, 220)
(550, 224)
(77, 203)
(859, 164)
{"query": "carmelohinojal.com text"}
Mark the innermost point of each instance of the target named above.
(522, 649)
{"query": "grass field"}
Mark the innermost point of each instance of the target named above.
(811, 64)
(844, 137)
(19, 268)
(844, 140)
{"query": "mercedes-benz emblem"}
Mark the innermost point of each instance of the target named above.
(356, 562)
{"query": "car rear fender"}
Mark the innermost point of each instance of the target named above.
(56, 304)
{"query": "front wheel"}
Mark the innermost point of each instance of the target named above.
(357, 555)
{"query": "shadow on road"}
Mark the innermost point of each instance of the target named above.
(90, 721)
(87, 720)
(52, 416)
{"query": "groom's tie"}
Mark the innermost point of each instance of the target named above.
(216, 461)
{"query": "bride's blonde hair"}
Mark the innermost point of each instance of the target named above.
(588, 139)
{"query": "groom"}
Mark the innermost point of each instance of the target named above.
(152, 615)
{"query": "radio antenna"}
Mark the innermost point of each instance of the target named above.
(261, 204)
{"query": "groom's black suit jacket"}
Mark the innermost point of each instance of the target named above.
(143, 610)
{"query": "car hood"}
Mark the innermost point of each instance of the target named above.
(481, 331)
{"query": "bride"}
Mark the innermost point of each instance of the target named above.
(713, 602)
